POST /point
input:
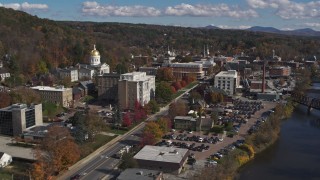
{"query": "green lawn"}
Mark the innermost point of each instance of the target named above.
(90, 146)
(5, 175)
(16, 170)
(117, 131)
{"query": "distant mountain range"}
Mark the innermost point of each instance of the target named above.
(297, 32)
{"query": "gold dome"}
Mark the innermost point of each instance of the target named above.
(95, 52)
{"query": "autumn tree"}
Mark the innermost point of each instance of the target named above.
(153, 128)
(152, 107)
(183, 83)
(42, 67)
(164, 74)
(177, 85)
(66, 81)
(195, 96)
(25, 95)
(188, 79)
(5, 99)
(173, 89)
(93, 124)
(56, 152)
(216, 97)
(139, 112)
(126, 122)
(178, 108)
(163, 92)
(164, 124)
(147, 139)
(86, 123)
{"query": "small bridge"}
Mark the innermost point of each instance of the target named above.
(310, 102)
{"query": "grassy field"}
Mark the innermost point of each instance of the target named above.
(16, 170)
(90, 146)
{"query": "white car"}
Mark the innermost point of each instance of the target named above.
(213, 162)
(200, 139)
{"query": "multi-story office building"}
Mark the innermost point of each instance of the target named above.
(71, 73)
(227, 81)
(135, 86)
(19, 117)
(187, 69)
(57, 95)
(107, 85)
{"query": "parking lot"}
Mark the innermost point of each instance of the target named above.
(15, 151)
(204, 145)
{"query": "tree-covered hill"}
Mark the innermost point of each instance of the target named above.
(35, 45)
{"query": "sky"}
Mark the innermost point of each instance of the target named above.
(228, 14)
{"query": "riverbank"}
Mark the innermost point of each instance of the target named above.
(255, 143)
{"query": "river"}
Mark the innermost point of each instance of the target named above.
(295, 155)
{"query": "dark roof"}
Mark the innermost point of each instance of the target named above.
(139, 174)
(86, 84)
(76, 90)
(3, 70)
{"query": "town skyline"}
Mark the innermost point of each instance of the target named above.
(225, 14)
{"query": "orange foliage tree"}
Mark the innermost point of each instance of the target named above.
(164, 124)
(56, 152)
(178, 108)
(165, 74)
(151, 133)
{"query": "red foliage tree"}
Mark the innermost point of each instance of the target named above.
(183, 83)
(147, 139)
(126, 122)
(173, 89)
(139, 112)
(177, 85)
(188, 79)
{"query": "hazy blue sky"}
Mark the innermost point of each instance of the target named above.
(282, 14)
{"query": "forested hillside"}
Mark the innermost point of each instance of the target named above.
(35, 45)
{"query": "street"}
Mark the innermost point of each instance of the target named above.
(101, 165)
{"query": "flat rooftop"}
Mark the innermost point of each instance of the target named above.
(161, 154)
(16, 106)
(230, 73)
(48, 88)
(186, 118)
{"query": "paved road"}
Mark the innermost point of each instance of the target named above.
(102, 165)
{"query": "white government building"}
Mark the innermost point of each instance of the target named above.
(227, 81)
(95, 66)
(135, 86)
